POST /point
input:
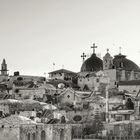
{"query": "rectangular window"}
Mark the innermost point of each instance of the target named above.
(97, 80)
(127, 117)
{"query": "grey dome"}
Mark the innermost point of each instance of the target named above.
(120, 61)
(93, 63)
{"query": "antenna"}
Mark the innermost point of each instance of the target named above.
(53, 66)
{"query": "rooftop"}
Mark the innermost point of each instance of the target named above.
(132, 82)
(16, 120)
(62, 71)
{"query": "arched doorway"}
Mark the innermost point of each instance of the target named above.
(43, 135)
(62, 134)
(33, 136)
(129, 104)
(63, 120)
(28, 136)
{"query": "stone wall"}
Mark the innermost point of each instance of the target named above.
(9, 133)
(27, 131)
(36, 132)
(61, 132)
(129, 88)
(45, 132)
(4, 108)
(28, 93)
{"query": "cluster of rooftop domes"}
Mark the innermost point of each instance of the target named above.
(94, 63)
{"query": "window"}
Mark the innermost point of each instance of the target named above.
(112, 116)
(118, 118)
(97, 80)
(2, 126)
(1, 113)
(127, 117)
(77, 118)
(85, 106)
(136, 76)
(63, 120)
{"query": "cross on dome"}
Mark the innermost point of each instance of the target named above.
(120, 49)
(107, 50)
(83, 56)
(94, 47)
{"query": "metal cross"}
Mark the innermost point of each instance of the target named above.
(107, 50)
(120, 48)
(93, 47)
(83, 56)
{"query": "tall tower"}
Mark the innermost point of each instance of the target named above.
(4, 68)
(107, 61)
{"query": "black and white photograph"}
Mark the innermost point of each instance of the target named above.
(69, 69)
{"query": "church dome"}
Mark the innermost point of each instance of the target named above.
(93, 63)
(107, 55)
(120, 61)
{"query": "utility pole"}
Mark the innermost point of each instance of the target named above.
(107, 102)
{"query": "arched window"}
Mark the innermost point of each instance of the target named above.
(63, 120)
(33, 136)
(62, 134)
(43, 135)
(28, 136)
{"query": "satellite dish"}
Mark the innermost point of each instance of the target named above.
(61, 85)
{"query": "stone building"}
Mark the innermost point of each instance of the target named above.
(28, 93)
(62, 74)
(17, 76)
(10, 127)
(116, 69)
(17, 127)
(27, 107)
(69, 96)
(126, 69)
(92, 81)
(132, 86)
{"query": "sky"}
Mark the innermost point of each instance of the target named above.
(35, 34)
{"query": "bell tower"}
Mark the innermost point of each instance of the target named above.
(107, 61)
(4, 68)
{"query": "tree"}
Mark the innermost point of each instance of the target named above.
(129, 104)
